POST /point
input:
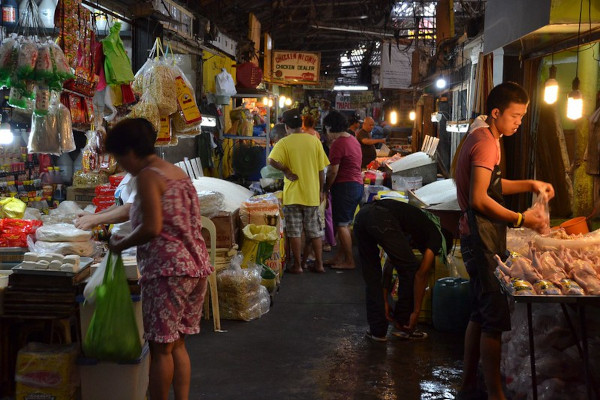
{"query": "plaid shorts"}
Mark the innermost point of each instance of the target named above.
(307, 217)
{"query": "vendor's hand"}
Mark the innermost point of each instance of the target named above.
(291, 176)
(534, 220)
(543, 188)
(82, 213)
(323, 198)
(412, 322)
(115, 244)
(86, 222)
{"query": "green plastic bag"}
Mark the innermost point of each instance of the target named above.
(117, 67)
(113, 332)
(258, 243)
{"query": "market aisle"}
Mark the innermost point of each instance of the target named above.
(311, 346)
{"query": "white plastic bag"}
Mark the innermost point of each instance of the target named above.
(96, 280)
(224, 84)
(62, 233)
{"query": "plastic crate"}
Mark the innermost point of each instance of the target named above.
(116, 381)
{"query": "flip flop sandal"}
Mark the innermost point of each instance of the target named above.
(414, 335)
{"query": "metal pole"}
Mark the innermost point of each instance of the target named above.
(531, 352)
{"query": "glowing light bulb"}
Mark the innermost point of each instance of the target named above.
(393, 117)
(575, 102)
(440, 83)
(551, 87)
(265, 101)
(412, 115)
(574, 105)
(288, 102)
(281, 101)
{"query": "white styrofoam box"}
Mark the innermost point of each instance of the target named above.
(438, 192)
(413, 160)
(86, 311)
(116, 381)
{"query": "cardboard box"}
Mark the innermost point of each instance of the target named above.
(228, 229)
(82, 197)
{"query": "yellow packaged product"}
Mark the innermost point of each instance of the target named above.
(12, 208)
(46, 372)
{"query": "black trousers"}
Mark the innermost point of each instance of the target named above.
(373, 226)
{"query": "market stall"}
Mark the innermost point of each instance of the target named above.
(553, 282)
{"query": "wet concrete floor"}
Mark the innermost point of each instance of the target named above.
(311, 346)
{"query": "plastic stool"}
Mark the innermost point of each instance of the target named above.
(212, 294)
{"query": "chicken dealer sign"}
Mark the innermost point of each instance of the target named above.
(296, 67)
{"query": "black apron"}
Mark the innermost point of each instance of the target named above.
(489, 235)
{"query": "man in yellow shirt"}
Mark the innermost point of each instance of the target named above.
(301, 158)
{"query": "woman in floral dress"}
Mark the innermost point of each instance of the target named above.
(171, 254)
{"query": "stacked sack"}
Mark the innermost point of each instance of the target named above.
(241, 295)
(62, 238)
(266, 210)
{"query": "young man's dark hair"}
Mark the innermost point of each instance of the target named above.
(504, 94)
(140, 137)
(335, 121)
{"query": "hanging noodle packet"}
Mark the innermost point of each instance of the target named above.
(146, 108)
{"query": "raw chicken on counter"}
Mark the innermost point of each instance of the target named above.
(556, 263)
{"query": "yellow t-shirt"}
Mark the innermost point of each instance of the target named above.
(303, 154)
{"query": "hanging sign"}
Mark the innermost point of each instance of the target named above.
(296, 67)
(396, 69)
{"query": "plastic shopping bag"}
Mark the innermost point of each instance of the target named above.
(113, 333)
(224, 84)
(258, 243)
(89, 292)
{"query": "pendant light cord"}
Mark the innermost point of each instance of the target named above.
(578, 35)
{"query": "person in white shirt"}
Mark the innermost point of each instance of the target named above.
(117, 214)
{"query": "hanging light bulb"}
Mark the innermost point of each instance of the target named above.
(281, 101)
(265, 101)
(288, 101)
(575, 101)
(393, 117)
(551, 87)
(412, 115)
(270, 103)
(6, 135)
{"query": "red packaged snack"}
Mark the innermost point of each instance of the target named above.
(115, 180)
(105, 190)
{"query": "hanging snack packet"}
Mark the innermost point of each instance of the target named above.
(90, 153)
(8, 58)
(62, 70)
(42, 100)
(161, 87)
(182, 128)
(27, 59)
(139, 84)
(44, 136)
(146, 108)
(164, 133)
(44, 71)
(65, 129)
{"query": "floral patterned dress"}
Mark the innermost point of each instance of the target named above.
(179, 250)
(174, 265)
